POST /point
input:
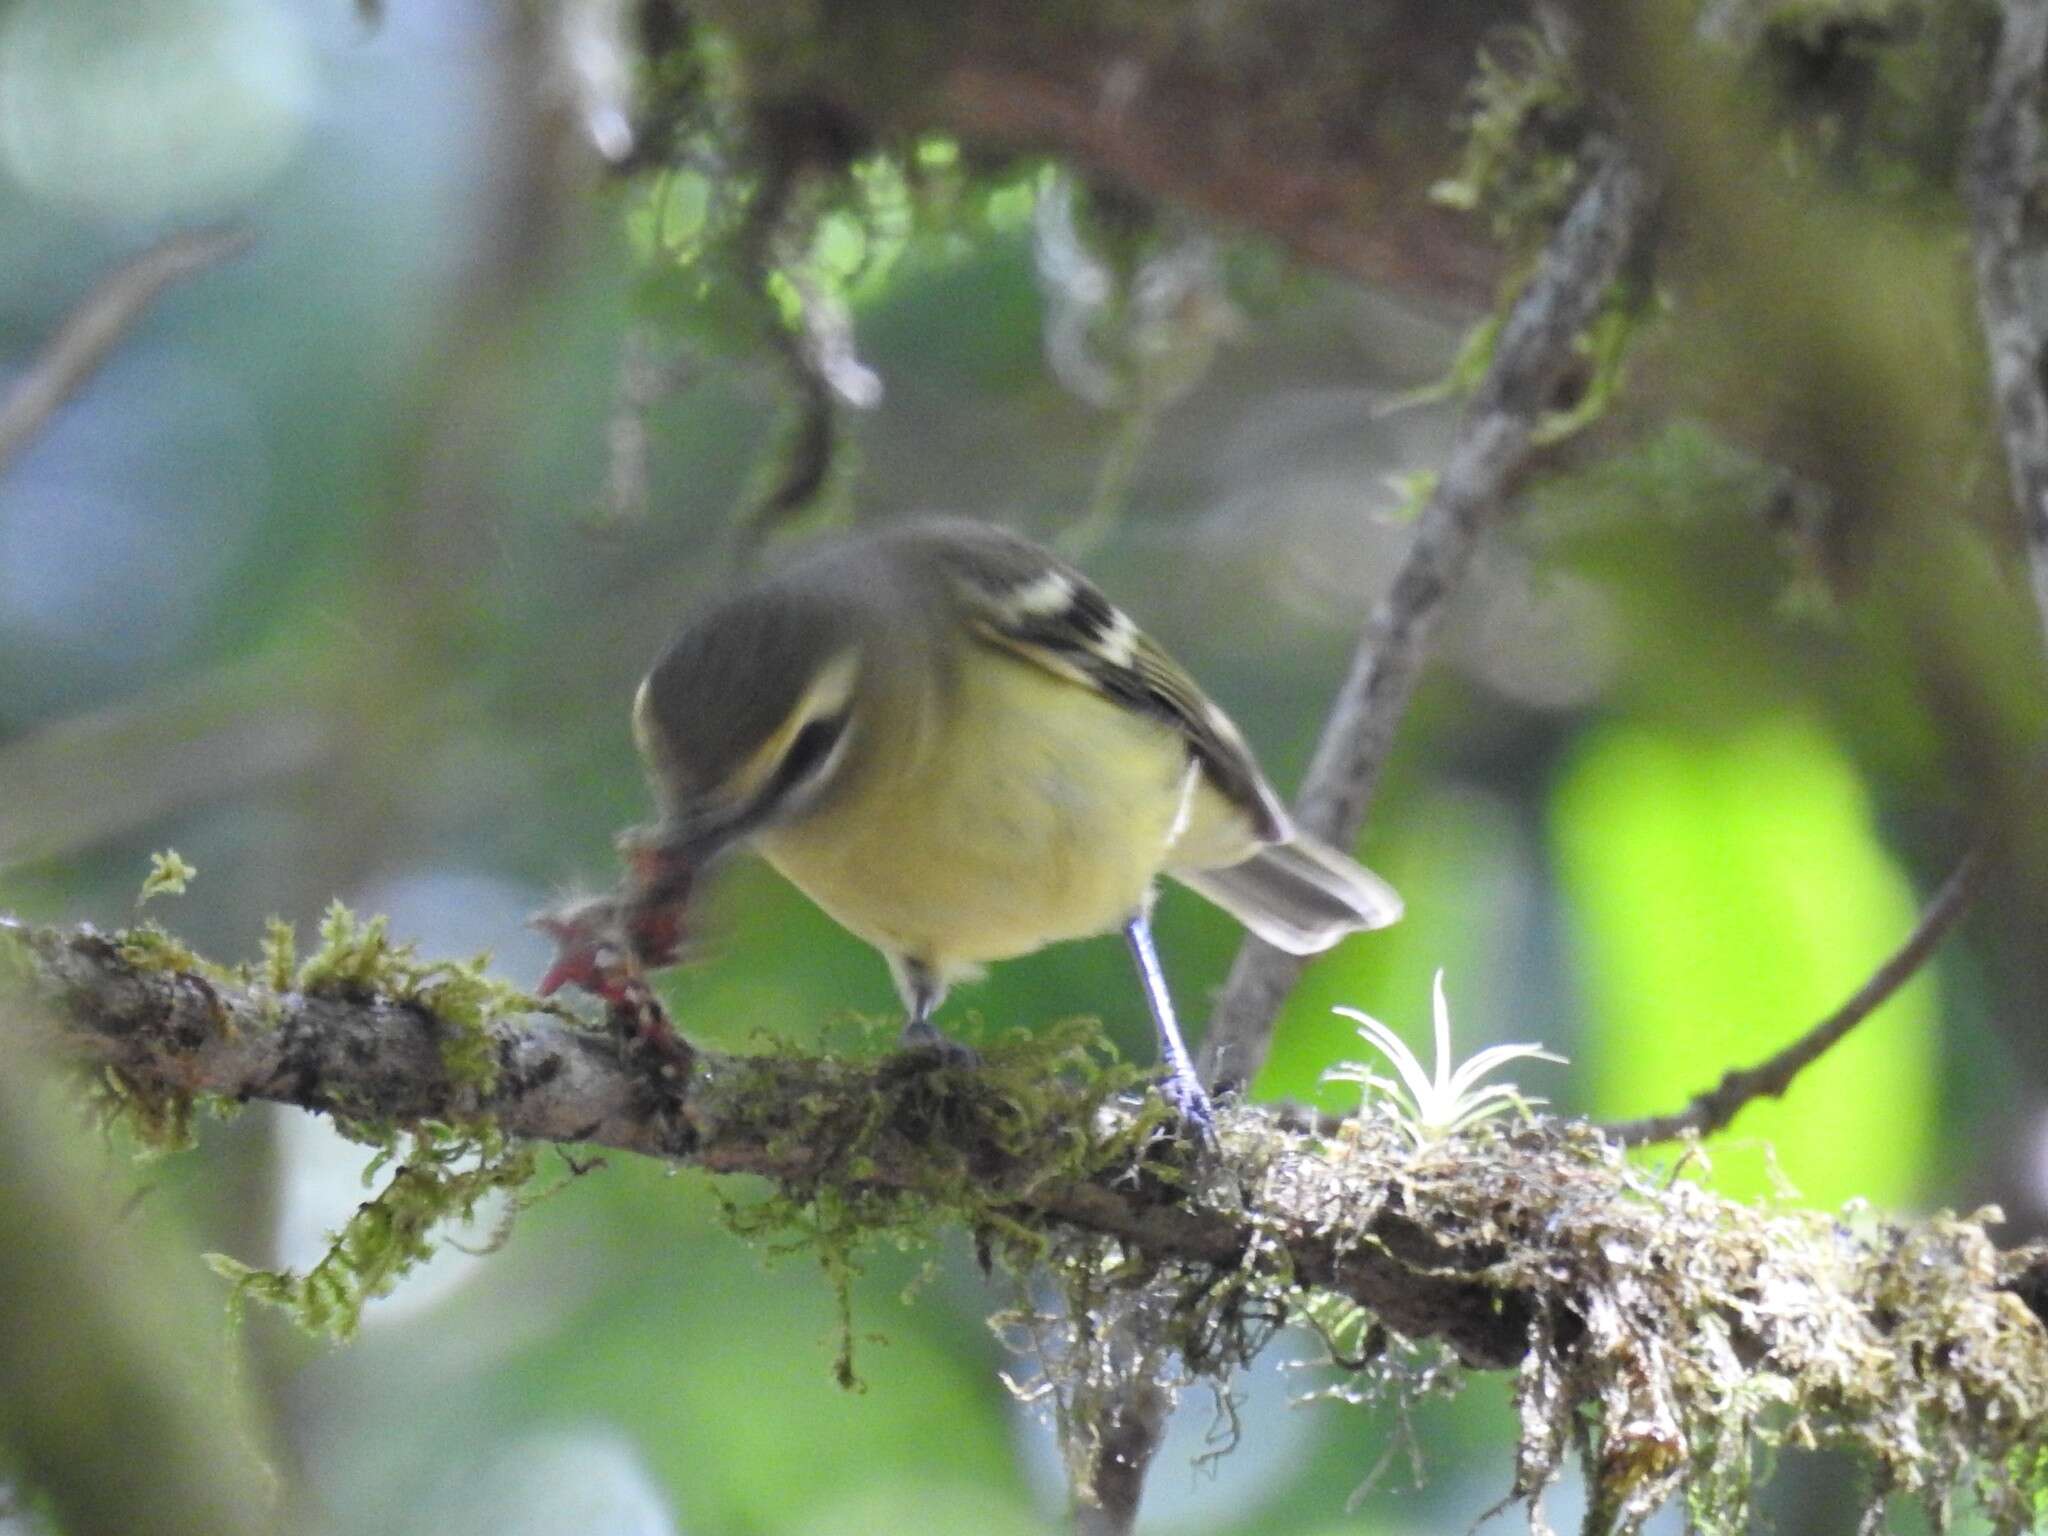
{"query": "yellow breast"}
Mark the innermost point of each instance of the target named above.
(1038, 811)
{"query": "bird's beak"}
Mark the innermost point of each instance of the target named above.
(649, 916)
(669, 855)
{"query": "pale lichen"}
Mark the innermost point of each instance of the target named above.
(1680, 1338)
(1675, 1340)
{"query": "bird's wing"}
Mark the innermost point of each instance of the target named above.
(1019, 598)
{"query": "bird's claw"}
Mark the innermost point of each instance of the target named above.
(923, 1035)
(1191, 1107)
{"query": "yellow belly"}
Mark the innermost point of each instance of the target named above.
(1046, 815)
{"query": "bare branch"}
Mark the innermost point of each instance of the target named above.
(646, 377)
(1712, 1110)
(1123, 1427)
(97, 324)
(2000, 178)
(1535, 348)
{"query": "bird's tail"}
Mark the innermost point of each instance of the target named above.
(1301, 896)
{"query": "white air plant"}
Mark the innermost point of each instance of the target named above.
(1432, 1107)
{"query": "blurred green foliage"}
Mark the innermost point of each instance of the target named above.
(1727, 893)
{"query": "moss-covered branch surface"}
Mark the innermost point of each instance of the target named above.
(1665, 1335)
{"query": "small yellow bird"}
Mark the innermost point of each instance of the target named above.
(949, 740)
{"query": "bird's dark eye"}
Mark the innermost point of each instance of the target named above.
(807, 754)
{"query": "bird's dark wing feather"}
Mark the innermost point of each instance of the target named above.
(1020, 598)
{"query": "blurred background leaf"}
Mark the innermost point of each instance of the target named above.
(1724, 894)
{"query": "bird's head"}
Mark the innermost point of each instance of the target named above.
(749, 714)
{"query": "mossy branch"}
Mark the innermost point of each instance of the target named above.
(1691, 1329)
(1037, 1155)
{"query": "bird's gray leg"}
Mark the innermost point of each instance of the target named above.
(1181, 1087)
(922, 993)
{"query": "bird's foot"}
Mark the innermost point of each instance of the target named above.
(923, 1035)
(1190, 1102)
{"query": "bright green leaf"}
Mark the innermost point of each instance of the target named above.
(1725, 895)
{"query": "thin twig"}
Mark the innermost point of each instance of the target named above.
(646, 377)
(92, 778)
(98, 322)
(1712, 1110)
(1125, 1429)
(1537, 344)
(2002, 173)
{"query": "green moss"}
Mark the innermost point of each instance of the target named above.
(443, 1174)
(158, 1120)
(148, 947)
(354, 956)
(279, 953)
(1694, 1336)
(1676, 1340)
(442, 1170)
(1689, 1338)
(1520, 163)
(1606, 346)
(1626, 311)
(168, 876)
(960, 1147)
(357, 958)
(466, 1000)
(1520, 166)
